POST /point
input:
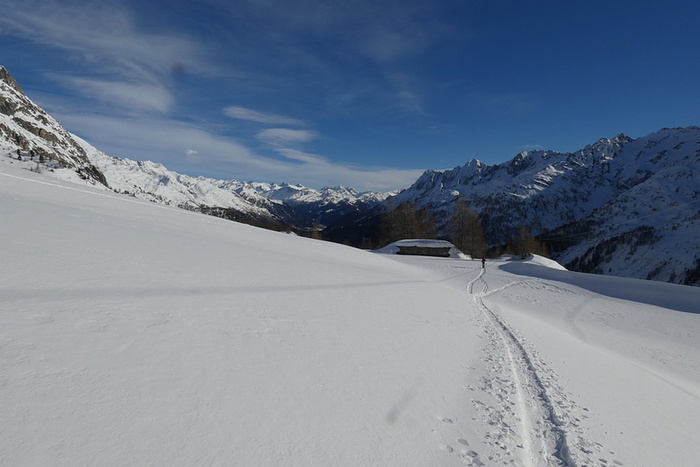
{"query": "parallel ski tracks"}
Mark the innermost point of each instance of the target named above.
(543, 440)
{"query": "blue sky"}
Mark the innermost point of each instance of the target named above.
(361, 93)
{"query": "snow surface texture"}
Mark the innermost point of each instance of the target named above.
(140, 334)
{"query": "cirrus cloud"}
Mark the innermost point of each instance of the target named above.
(133, 96)
(296, 155)
(243, 113)
(286, 136)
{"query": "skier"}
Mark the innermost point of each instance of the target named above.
(483, 262)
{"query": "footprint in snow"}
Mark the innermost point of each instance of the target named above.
(475, 458)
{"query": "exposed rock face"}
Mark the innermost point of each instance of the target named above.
(9, 80)
(37, 135)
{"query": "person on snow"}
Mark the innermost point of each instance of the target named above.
(483, 262)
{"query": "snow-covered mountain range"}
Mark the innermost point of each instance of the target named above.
(30, 135)
(620, 206)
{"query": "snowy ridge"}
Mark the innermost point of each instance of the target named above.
(323, 206)
(584, 180)
(154, 182)
(298, 194)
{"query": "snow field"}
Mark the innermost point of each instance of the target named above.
(631, 370)
(132, 333)
(583, 377)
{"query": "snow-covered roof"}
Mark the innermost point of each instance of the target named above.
(393, 248)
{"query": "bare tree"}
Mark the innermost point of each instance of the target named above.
(525, 243)
(465, 230)
(427, 228)
(406, 221)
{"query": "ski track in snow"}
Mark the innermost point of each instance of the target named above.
(546, 431)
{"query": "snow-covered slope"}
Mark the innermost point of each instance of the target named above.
(137, 333)
(133, 333)
(154, 182)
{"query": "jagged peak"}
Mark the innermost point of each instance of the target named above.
(622, 138)
(428, 174)
(520, 158)
(9, 80)
(292, 186)
(604, 144)
(339, 189)
(519, 163)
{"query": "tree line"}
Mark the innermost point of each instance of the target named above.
(463, 230)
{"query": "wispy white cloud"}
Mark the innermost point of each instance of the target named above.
(191, 150)
(384, 31)
(317, 174)
(242, 113)
(162, 140)
(408, 96)
(286, 136)
(105, 39)
(129, 95)
(297, 155)
(397, 32)
(316, 170)
(359, 46)
(104, 34)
